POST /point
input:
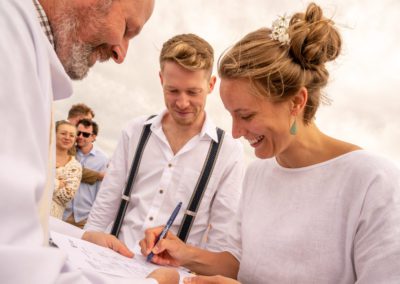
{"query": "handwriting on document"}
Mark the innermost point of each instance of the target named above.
(85, 255)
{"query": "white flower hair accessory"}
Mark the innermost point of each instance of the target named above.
(280, 29)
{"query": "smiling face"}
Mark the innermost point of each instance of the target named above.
(88, 32)
(185, 93)
(263, 123)
(65, 136)
(85, 142)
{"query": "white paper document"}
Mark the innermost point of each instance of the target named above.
(86, 255)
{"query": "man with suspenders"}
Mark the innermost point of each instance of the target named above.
(176, 156)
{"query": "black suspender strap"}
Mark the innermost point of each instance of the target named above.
(191, 210)
(144, 137)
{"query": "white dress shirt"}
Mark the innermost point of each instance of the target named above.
(164, 179)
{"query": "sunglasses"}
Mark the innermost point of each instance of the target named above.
(84, 134)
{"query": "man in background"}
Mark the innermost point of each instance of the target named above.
(78, 112)
(91, 158)
(75, 114)
(44, 44)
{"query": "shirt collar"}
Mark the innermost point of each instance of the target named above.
(92, 152)
(209, 129)
(44, 22)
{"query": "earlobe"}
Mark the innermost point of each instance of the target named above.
(299, 101)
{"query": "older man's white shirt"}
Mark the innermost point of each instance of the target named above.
(30, 76)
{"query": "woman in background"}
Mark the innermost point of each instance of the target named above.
(68, 169)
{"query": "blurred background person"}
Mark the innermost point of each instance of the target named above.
(92, 158)
(68, 169)
(76, 113)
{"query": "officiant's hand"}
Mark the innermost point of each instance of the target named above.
(165, 276)
(108, 241)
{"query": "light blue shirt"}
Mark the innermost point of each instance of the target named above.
(86, 194)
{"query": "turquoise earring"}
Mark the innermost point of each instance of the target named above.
(293, 128)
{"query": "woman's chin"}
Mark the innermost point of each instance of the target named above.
(263, 154)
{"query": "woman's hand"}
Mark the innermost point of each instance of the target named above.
(168, 251)
(172, 251)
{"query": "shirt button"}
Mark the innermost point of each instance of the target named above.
(169, 165)
(161, 191)
(151, 218)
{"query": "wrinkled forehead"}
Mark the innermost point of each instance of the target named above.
(135, 14)
(139, 9)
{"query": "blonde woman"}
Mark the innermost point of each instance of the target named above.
(68, 169)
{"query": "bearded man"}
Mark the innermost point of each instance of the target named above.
(44, 44)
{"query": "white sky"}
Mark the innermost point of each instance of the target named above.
(364, 81)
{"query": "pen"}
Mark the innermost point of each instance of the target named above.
(166, 228)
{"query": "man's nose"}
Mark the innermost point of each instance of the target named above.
(182, 102)
(119, 51)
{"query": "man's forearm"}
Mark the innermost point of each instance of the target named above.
(91, 176)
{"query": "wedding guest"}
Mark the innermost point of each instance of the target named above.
(68, 169)
(90, 157)
(76, 113)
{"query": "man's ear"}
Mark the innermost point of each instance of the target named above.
(211, 83)
(298, 101)
(161, 77)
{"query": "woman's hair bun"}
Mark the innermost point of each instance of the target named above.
(314, 40)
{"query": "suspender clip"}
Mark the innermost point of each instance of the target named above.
(125, 197)
(190, 213)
